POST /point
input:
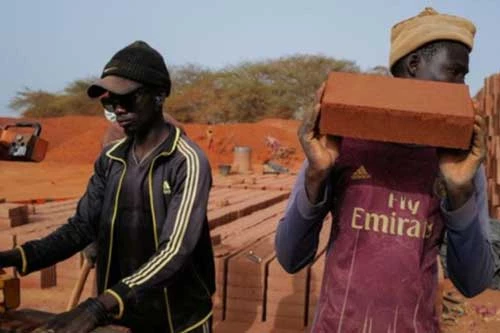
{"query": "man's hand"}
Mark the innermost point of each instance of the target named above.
(321, 150)
(458, 167)
(83, 319)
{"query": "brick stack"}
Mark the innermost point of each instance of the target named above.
(246, 279)
(253, 293)
(235, 238)
(25, 321)
(282, 182)
(288, 295)
(489, 104)
(240, 216)
(227, 207)
(13, 215)
(49, 288)
(315, 280)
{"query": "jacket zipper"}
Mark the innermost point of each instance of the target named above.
(153, 215)
(115, 210)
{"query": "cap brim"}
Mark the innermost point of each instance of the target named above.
(115, 84)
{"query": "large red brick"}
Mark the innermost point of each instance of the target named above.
(256, 327)
(292, 297)
(9, 210)
(224, 215)
(316, 278)
(287, 284)
(236, 237)
(285, 309)
(286, 322)
(287, 294)
(245, 293)
(245, 313)
(397, 110)
(247, 270)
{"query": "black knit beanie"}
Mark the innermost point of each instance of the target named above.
(141, 63)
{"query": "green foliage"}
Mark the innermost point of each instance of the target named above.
(74, 100)
(279, 88)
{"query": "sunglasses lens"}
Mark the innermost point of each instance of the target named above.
(108, 105)
(126, 101)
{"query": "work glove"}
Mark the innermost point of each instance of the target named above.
(83, 319)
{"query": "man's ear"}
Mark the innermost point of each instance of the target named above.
(412, 62)
(160, 99)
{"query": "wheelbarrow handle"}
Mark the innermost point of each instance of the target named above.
(37, 127)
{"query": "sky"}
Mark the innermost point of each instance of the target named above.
(48, 44)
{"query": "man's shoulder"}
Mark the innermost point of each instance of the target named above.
(104, 159)
(188, 148)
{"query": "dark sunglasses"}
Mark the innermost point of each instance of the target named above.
(127, 101)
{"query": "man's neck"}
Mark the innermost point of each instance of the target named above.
(145, 142)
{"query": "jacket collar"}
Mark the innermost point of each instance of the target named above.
(120, 149)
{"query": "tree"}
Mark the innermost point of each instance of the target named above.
(73, 100)
(250, 91)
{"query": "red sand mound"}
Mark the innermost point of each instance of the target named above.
(77, 140)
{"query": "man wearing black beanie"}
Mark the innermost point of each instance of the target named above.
(145, 207)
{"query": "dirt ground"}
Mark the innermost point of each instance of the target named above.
(480, 314)
(76, 141)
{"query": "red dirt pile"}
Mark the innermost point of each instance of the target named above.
(77, 140)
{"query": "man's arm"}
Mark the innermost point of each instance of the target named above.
(297, 235)
(298, 232)
(470, 259)
(186, 217)
(71, 237)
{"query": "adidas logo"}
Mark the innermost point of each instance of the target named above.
(166, 188)
(361, 173)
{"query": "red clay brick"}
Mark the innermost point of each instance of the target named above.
(285, 309)
(8, 210)
(247, 269)
(286, 285)
(245, 293)
(287, 294)
(245, 313)
(292, 297)
(239, 236)
(12, 222)
(263, 327)
(13, 215)
(316, 278)
(286, 322)
(228, 214)
(243, 305)
(397, 110)
(68, 206)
